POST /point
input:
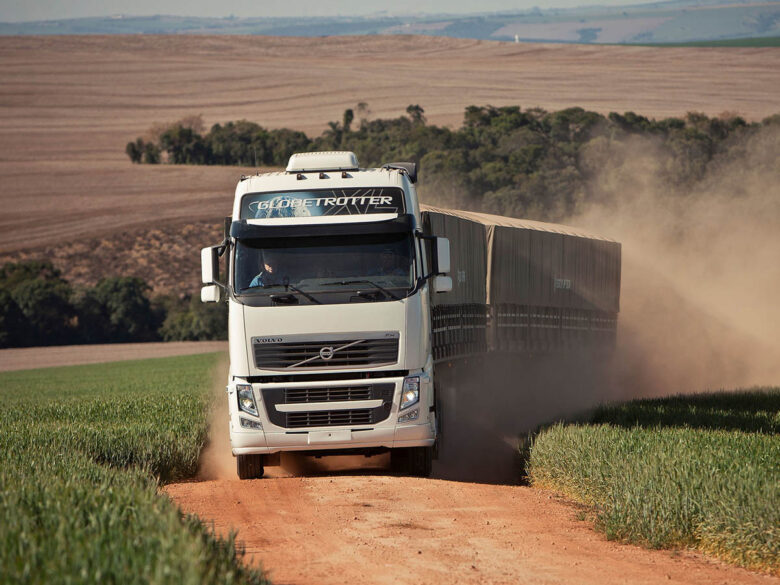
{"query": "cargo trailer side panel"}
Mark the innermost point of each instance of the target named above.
(510, 266)
(468, 253)
(460, 316)
(549, 287)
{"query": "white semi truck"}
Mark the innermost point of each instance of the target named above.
(340, 302)
(328, 282)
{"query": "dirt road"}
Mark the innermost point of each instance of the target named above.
(376, 528)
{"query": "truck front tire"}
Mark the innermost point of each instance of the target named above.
(249, 466)
(416, 461)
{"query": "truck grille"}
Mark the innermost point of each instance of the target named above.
(329, 418)
(326, 354)
(298, 395)
(383, 391)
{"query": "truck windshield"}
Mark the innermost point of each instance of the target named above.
(379, 266)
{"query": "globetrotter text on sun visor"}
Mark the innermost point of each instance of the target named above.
(321, 203)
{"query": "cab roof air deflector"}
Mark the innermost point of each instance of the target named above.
(307, 162)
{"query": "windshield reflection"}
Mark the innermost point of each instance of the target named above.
(380, 262)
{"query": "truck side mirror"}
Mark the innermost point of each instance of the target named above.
(443, 256)
(442, 284)
(209, 274)
(209, 265)
(209, 294)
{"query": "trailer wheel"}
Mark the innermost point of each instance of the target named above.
(249, 466)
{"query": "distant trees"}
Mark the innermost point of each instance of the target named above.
(39, 307)
(140, 151)
(234, 143)
(504, 160)
(183, 145)
(36, 307)
(118, 309)
(192, 320)
(349, 116)
(416, 113)
(12, 321)
(47, 310)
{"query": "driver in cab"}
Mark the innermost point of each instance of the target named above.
(268, 272)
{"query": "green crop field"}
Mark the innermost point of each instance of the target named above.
(83, 450)
(699, 471)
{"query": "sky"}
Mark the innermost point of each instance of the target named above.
(24, 10)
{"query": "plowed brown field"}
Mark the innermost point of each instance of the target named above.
(68, 106)
(26, 358)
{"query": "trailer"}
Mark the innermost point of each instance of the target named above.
(523, 286)
(344, 293)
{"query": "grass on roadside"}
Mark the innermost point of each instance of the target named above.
(82, 452)
(700, 471)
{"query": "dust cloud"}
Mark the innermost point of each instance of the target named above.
(490, 406)
(216, 458)
(700, 306)
(701, 266)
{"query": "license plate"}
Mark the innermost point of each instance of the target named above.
(329, 437)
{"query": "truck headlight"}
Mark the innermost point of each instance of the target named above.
(410, 391)
(246, 399)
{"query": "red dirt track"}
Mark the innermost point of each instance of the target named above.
(386, 529)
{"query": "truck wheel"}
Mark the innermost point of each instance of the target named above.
(399, 460)
(249, 466)
(437, 412)
(420, 461)
(416, 461)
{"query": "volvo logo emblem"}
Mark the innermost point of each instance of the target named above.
(326, 353)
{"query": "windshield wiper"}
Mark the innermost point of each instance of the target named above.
(286, 299)
(307, 295)
(286, 286)
(375, 285)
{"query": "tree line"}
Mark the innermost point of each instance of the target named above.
(39, 307)
(505, 160)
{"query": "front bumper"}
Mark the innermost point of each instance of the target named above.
(387, 433)
(390, 438)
